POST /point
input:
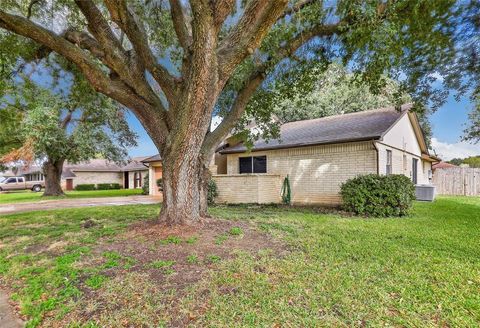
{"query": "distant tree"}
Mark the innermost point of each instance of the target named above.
(473, 161)
(58, 127)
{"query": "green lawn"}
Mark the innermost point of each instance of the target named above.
(418, 271)
(30, 196)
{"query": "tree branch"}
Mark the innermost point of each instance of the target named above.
(114, 88)
(181, 24)
(297, 7)
(257, 77)
(238, 108)
(246, 36)
(221, 10)
(129, 24)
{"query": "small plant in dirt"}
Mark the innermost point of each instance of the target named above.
(378, 195)
(171, 240)
(191, 240)
(214, 258)
(96, 281)
(192, 259)
(236, 231)
(160, 264)
(220, 239)
(112, 260)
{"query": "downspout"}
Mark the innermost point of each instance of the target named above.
(377, 156)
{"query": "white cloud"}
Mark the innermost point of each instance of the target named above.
(447, 151)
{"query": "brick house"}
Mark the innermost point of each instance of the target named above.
(319, 155)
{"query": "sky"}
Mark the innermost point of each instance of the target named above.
(448, 124)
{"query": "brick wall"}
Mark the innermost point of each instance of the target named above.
(249, 188)
(85, 177)
(315, 172)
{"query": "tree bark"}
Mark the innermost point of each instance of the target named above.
(52, 170)
(185, 186)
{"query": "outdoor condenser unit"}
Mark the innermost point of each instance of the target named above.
(425, 192)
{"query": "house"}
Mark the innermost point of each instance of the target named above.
(95, 171)
(318, 155)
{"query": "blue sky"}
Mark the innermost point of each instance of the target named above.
(448, 124)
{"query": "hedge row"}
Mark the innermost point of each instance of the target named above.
(100, 186)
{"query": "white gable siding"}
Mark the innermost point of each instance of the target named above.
(402, 136)
(402, 142)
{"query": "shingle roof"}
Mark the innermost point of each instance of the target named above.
(366, 125)
(443, 165)
(154, 158)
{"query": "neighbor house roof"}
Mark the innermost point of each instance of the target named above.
(442, 165)
(360, 126)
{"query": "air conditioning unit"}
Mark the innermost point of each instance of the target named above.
(425, 192)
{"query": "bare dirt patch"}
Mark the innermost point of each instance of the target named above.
(149, 269)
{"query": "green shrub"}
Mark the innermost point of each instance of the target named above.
(160, 184)
(378, 195)
(115, 186)
(84, 187)
(212, 192)
(108, 186)
(146, 183)
(104, 186)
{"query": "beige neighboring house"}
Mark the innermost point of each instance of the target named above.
(318, 156)
(95, 171)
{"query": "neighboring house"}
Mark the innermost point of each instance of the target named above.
(318, 156)
(443, 165)
(95, 171)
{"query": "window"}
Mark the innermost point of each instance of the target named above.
(389, 162)
(414, 170)
(11, 180)
(137, 176)
(253, 164)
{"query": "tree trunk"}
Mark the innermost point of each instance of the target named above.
(185, 184)
(52, 170)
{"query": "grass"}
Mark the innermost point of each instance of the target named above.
(30, 196)
(418, 271)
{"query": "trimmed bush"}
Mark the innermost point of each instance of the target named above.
(212, 192)
(84, 187)
(104, 186)
(108, 186)
(115, 186)
(378, 195)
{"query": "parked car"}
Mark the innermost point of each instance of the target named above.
(19, 183)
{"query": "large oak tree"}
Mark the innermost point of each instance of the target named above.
(170, 62)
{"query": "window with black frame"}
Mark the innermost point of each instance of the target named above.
(253, 164)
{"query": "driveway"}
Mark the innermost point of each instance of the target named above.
(78, 202)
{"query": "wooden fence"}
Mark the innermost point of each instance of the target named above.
(457, 181)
